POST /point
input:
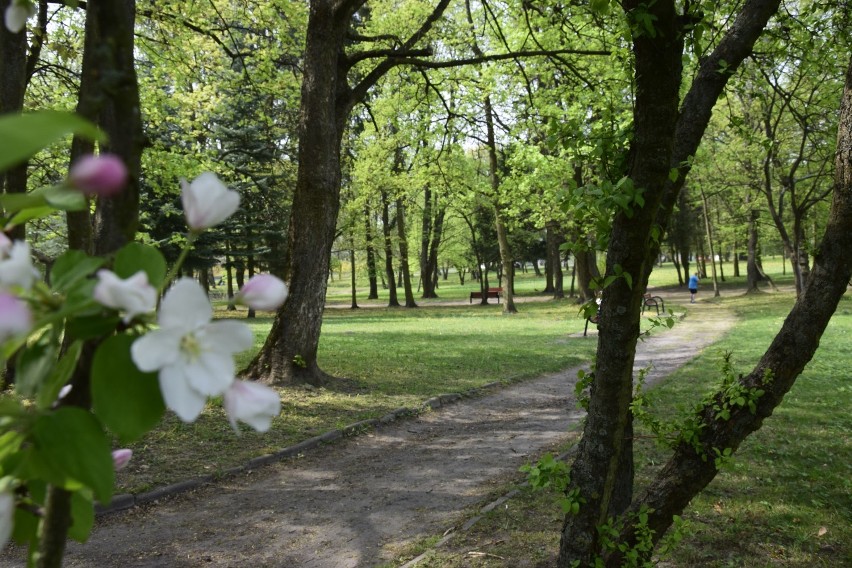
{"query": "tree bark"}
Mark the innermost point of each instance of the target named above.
(290, 352)
(689, 471)
(403, 255)
(604, 461)
(371, 256)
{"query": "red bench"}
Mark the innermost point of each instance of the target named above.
(490, 293)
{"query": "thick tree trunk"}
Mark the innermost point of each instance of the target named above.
(290, 352)
(604, 460)
(586, 267)
(549, 235)
(393, 302)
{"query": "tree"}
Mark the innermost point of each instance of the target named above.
(665, 134)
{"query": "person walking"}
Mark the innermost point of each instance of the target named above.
(693, 287)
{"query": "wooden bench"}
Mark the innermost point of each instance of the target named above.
(490, 293)
(656, 302)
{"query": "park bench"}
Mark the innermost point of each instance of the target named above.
(656, 302)
(490, 293)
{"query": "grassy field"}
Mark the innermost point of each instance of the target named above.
(784, 500)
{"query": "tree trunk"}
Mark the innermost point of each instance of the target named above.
(289, 354)
(353, 281)
(690, 470)
(603, 469)
(371, 256)
(116, 218)
(403, 254)
(548, 257)
(586, 266)
(709, 232)
(663, 139)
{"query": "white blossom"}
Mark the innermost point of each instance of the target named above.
(17, 14)
(194, 355)
(133, 295)
(252, 403)
(16, 266)
(207, 201)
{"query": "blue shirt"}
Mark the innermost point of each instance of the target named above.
(693, 282)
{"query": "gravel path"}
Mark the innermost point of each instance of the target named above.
(356, 502)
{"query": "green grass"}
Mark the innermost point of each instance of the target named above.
(784, 500)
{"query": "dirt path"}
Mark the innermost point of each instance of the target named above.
(355, 502)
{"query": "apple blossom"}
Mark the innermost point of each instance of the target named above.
(262, 292)
(252, 403)
(15, 317)
(192, 353)
(16, 267)
(133, 295)
(17, 14)
(120, 458)
(103, 175)
(7, 516)
(207, 201)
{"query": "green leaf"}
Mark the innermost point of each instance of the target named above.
(126, 399)
(65, 199)
(59, 376)
(673, 175)
(71, 267)
(71, 445)
(82, 516)
(22, 135)
(91, 327)
(34, 365)
(134, 257)
(600, 7)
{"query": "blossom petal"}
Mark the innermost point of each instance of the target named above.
(185, 306)
(263, 292)
(252, 403)
(178, 395)
(156, 349)
(133, 295)
(227, 336)
(207, 201)
(211, 374)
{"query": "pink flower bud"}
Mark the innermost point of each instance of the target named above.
(103, 175)
(120, 458)
(262, 292)
(207, 201)
(15, 317)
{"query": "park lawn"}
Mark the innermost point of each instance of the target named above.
(785, 499)
(395, 358)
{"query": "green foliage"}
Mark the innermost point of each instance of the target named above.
(23, 135)
(554, 475)
(126, 400)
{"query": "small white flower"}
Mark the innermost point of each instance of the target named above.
(194, 355)
(134, 295)
(15, 317)
(16, 266)
(120, 458)
(262, 292)
(7, 517)
(252, 403)
(207, 201)
(17, 14)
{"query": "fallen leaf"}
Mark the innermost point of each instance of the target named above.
(822, 531)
